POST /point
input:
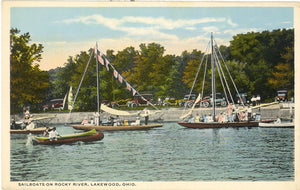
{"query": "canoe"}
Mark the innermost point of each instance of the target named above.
(38, 130)
(277, 125)
(89, 136)
(116, 128)
(203, 125)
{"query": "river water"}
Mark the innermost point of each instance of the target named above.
(169, 153)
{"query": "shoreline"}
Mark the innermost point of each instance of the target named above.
(285, 112)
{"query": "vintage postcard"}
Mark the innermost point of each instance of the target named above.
(150, 95)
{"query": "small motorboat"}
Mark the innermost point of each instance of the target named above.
(88, 136)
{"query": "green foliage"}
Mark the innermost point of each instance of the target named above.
(28, 84)
(259, 63)
(261, 53)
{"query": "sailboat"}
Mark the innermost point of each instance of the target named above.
(111, 126)
(216, 67)
(34, 125)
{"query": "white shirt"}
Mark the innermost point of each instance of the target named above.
(53, 133)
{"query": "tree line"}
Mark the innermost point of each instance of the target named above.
(260, 63)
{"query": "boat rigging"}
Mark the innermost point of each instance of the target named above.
(218, 68)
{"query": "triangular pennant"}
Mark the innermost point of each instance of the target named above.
(120, 79)
(128, 86)
(100, 59)
(107, 66)
(116, 74)
(133, 92)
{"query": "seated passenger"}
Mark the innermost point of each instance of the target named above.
(104, 121)
(277, 120)
(53, 134)
(224, 118)
(31, 125)
(220, 118)
(197, 118)
(209, 118)
(46, 132)
(137, 121)
(85, 121)
(191, 119)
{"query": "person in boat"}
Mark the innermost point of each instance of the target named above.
(278, 120)
(53, 134)
(204, 118)
(27, 114)
(25, 122)
(249, 113)
(46, 132)
(224, 118)
(117, 121)
(111, 120)
(191, 119)
(209, 118)
(147, 113)
(92, 120)
(13, 125)
(220, 118)
(96, 118)
(137, 121)
(258, 99)
(31, 125)
(242, 116)
(253, 100)
(230, 112)
(197, 118)
(85, 121)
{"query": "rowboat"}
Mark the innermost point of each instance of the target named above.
(204, 125)
(277, 125)
(38, 130)
(116, 128)
(88, 136)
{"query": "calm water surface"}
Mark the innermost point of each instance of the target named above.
(170, 153)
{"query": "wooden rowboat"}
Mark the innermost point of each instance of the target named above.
(116, 128)
(203, 125)
(88, 136)
(38, 130)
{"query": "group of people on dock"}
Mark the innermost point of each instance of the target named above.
(231, 115)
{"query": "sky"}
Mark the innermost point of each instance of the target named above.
(66, 31)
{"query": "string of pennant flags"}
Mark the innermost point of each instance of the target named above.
(104, 61)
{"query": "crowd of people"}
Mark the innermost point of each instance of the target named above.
(114, 120)
(233, 114)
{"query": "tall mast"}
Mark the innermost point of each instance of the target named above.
(213, 78)
(97, 70)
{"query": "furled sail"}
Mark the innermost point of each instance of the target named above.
(70, 98)
(117, 112)
(191, 110)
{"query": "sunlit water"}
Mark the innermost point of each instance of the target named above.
(170, 153)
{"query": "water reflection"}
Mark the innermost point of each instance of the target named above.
(170, 153)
